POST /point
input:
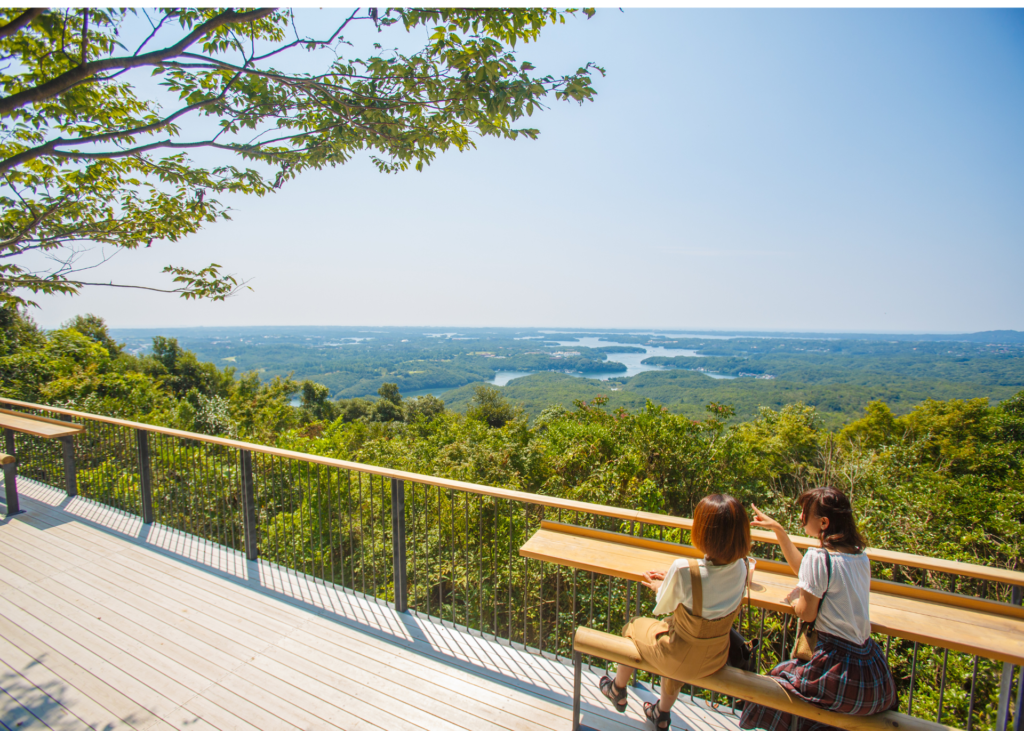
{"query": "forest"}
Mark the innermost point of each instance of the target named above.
(837, 374)
(944, 478)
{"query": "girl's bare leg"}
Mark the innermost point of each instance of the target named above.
(669, 693)
(623, 675)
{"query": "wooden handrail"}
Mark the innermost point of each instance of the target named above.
(945, 566)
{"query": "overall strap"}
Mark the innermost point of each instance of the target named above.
(696, 589)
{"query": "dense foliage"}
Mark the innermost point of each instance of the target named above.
(944, 479)
(91, 154)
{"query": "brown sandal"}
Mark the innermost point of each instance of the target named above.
(613, 693)
(657, 716)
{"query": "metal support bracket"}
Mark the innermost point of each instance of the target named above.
(249, 507)
(145, 476)
(398, 544)
(11, 475)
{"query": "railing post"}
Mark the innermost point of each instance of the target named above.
(248, 506)
(577, 677)
(398, 544)
(70, 476)
(145, 475)
(11, 475)
(1006, 684)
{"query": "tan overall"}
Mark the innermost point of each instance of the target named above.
(683, 646)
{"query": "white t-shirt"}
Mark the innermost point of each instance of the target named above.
(845, 609)
(722, 587)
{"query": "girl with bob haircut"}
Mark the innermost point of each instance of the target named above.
(847, 672)
(702, 597)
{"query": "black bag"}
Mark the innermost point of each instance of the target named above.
(741, 652)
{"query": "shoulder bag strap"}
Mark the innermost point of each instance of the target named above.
(828, 574)
(696, 589)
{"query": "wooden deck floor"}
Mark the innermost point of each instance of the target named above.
(109, 624)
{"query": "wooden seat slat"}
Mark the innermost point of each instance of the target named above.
(37, 426)
(959, 628)
(749, 687)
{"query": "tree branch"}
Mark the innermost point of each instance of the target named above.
(20, 22)
(83, 71)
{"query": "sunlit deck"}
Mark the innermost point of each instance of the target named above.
(107, 623)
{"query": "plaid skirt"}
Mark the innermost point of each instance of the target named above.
(840, 676)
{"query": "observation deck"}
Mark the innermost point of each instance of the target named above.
(166, 579)
(109, 623)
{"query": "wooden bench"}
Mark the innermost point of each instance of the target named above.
(739, 684)
(38, 426)
(961, 623)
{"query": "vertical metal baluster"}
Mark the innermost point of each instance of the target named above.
(558, 605)
(913, 674)
(785, 636)
(760, 637)
(494, 569)
(362, 536)
(465, 554)
(510, 571)
(373, 538)
(888, 647)
(590, 619)
(426, 530)
(942, 685)
(320, 524)
(451, 551)
(974, 685)
(479, 563)
(440, 557)
(526, 581)
(608, 606)
(413, 540)
(351, 550)
(330, 520)
(574, 607)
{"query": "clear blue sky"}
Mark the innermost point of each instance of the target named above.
(825, 170)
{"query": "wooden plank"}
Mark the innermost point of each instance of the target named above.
(15, 717)
(401, 670)
(84, 671)
(174, 680)
(51, 699)
(292, 714)
(955, 627)
(37, 426)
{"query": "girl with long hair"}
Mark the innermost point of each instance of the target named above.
(847, 671)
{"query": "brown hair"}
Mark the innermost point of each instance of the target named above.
(841, 534)
(721, 528)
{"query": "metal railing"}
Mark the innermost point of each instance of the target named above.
(448, 550)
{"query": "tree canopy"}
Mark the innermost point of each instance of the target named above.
(87, 158)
